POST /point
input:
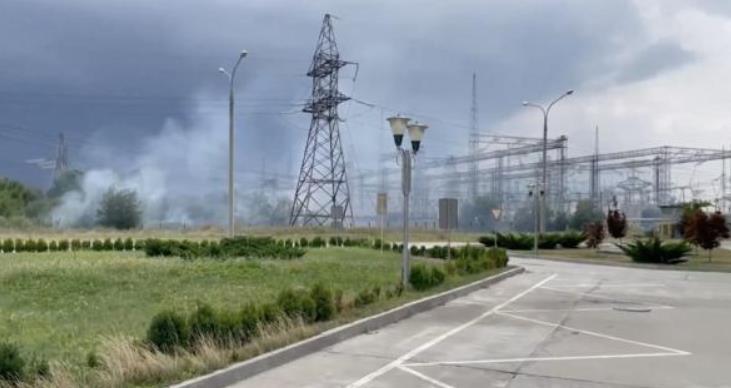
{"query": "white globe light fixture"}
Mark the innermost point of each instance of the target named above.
(416, 133)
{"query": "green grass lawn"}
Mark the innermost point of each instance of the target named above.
(720, 259)
(59, 305)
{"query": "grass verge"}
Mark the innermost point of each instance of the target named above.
(72, 307)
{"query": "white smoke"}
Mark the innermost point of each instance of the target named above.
(179, 175)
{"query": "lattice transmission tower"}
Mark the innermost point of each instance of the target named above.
(323, 195)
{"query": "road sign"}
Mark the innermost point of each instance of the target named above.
(448, 213)
(382, 204)
(496, 213)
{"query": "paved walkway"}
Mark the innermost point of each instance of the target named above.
(558, 325)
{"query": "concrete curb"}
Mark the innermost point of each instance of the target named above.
(647, 266)
(242, 370)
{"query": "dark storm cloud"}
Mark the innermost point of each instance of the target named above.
(112, 72)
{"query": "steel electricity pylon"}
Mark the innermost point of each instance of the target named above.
(322, 195)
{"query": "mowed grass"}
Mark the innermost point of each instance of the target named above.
(60, 305)
(698, 261)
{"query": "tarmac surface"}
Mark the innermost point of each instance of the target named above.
(557, 325)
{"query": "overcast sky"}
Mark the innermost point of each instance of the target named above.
(113, 74)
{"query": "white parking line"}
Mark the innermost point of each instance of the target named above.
(395, 363)
(424, 377)
(529, 359)
(607, 285)
(587, 309)
(595, 334)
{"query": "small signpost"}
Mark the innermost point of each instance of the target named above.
(448, 219)
(382, 211)
(496, 214)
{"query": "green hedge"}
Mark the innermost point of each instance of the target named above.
(169, 331)
(241, 246)
(524, 241)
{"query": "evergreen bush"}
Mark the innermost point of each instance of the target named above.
(168, 331)
(12, 364)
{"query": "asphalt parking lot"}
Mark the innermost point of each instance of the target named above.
(557, 325)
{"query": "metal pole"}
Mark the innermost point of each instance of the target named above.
(542, 215)
(406, 189)
(535, 224)
(231, 140)
(231, 225)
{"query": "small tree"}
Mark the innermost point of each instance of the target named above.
(706, 231)
(594, 234)
(119, 209)
(617, 224)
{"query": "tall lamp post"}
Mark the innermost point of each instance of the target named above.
(544, 187)
(231, 77)
(399, 126)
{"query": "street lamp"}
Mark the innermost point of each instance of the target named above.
(543, 190)
(399, 126)
(231, 77)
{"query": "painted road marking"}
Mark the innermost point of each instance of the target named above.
(395, 363)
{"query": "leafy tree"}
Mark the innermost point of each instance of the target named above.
(119, 209)
(594, 234)
(586, 213)
(706, 231)
(689, 209)
(15, 198)
(616, 223)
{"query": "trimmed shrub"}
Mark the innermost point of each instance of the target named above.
(488, 241)
(297, 304)
(318, 242)
(655, 251)
(168, 331)
(129, 244)
(41, 245)
(118, 245)
(414, 250)
(204, 322)
(63, 245)
(248, 322)
(97, 245)
(11, 363)
(377, 244)
(338, 301)
(303, 242)
(108, 245)
(324, 303)
(571, 239)
(86, 244)
(423, 277)
(20, 245)
(8, 245)
(75, 245)
(548, 241)
(365, 297)
(53, 246)
(332, 241)
(269, 312)
(515, 241)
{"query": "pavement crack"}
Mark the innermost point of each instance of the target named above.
(517, 373)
